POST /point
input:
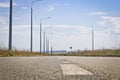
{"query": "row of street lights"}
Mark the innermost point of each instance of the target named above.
(31, 39)
(41, 34)
(45, 39)
(41, 20)
(31, 42)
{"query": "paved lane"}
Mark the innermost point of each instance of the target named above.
(59, 68)
(30, 68)
(103, 68)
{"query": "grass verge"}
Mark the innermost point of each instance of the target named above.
(5, 53)
(103, 53)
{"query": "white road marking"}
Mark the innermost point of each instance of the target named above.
(72, 69)
(66, 62)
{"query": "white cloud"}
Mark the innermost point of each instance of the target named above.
(101, 23)
(48, 8)
(6, 4)
(111, 21)
(98, 13)
(79, 37)
(2, 21)
(51, 8)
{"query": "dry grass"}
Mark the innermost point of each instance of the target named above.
(4, 53)
(105, 52)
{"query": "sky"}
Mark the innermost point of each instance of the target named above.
(71, 21)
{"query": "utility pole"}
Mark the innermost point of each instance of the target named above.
(92, 39)
(10, 28)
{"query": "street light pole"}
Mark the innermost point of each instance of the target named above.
(47, 44)
(40, 35)
(45, 40)
(31, 27)
(48, 40)
(41, 32)
(51, 51)
(10, 28)
(31, 42)
(92, 39)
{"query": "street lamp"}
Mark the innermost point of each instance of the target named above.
(48, 40)
(44, 35)
(50, 44)
(10, 28)
(92, 39)
(47, 44)
(32, 22)
(41, 31)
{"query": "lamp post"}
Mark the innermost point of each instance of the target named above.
(45, 41)
(41, 32)
(31, 42)
(92, 39)
(50, 44)
(10, 28)
(47, 44)
(51, 50)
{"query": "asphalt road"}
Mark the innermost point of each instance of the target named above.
(59, 68)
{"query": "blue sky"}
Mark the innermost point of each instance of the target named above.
(71, 22)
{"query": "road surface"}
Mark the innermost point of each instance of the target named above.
(59, 68)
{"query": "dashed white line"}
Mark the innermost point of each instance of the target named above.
(72, 69)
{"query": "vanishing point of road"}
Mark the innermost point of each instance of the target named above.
(59, 68)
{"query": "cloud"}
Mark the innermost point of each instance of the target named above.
(2, 21)
(113, 20)
(98, 13)
(24, 7)
(69, 30)
(101, 23)
(110, 21)
(51, 8)
(79, 37)
(114, 32)
(18, 30)
(6, 4)
(48, 8)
